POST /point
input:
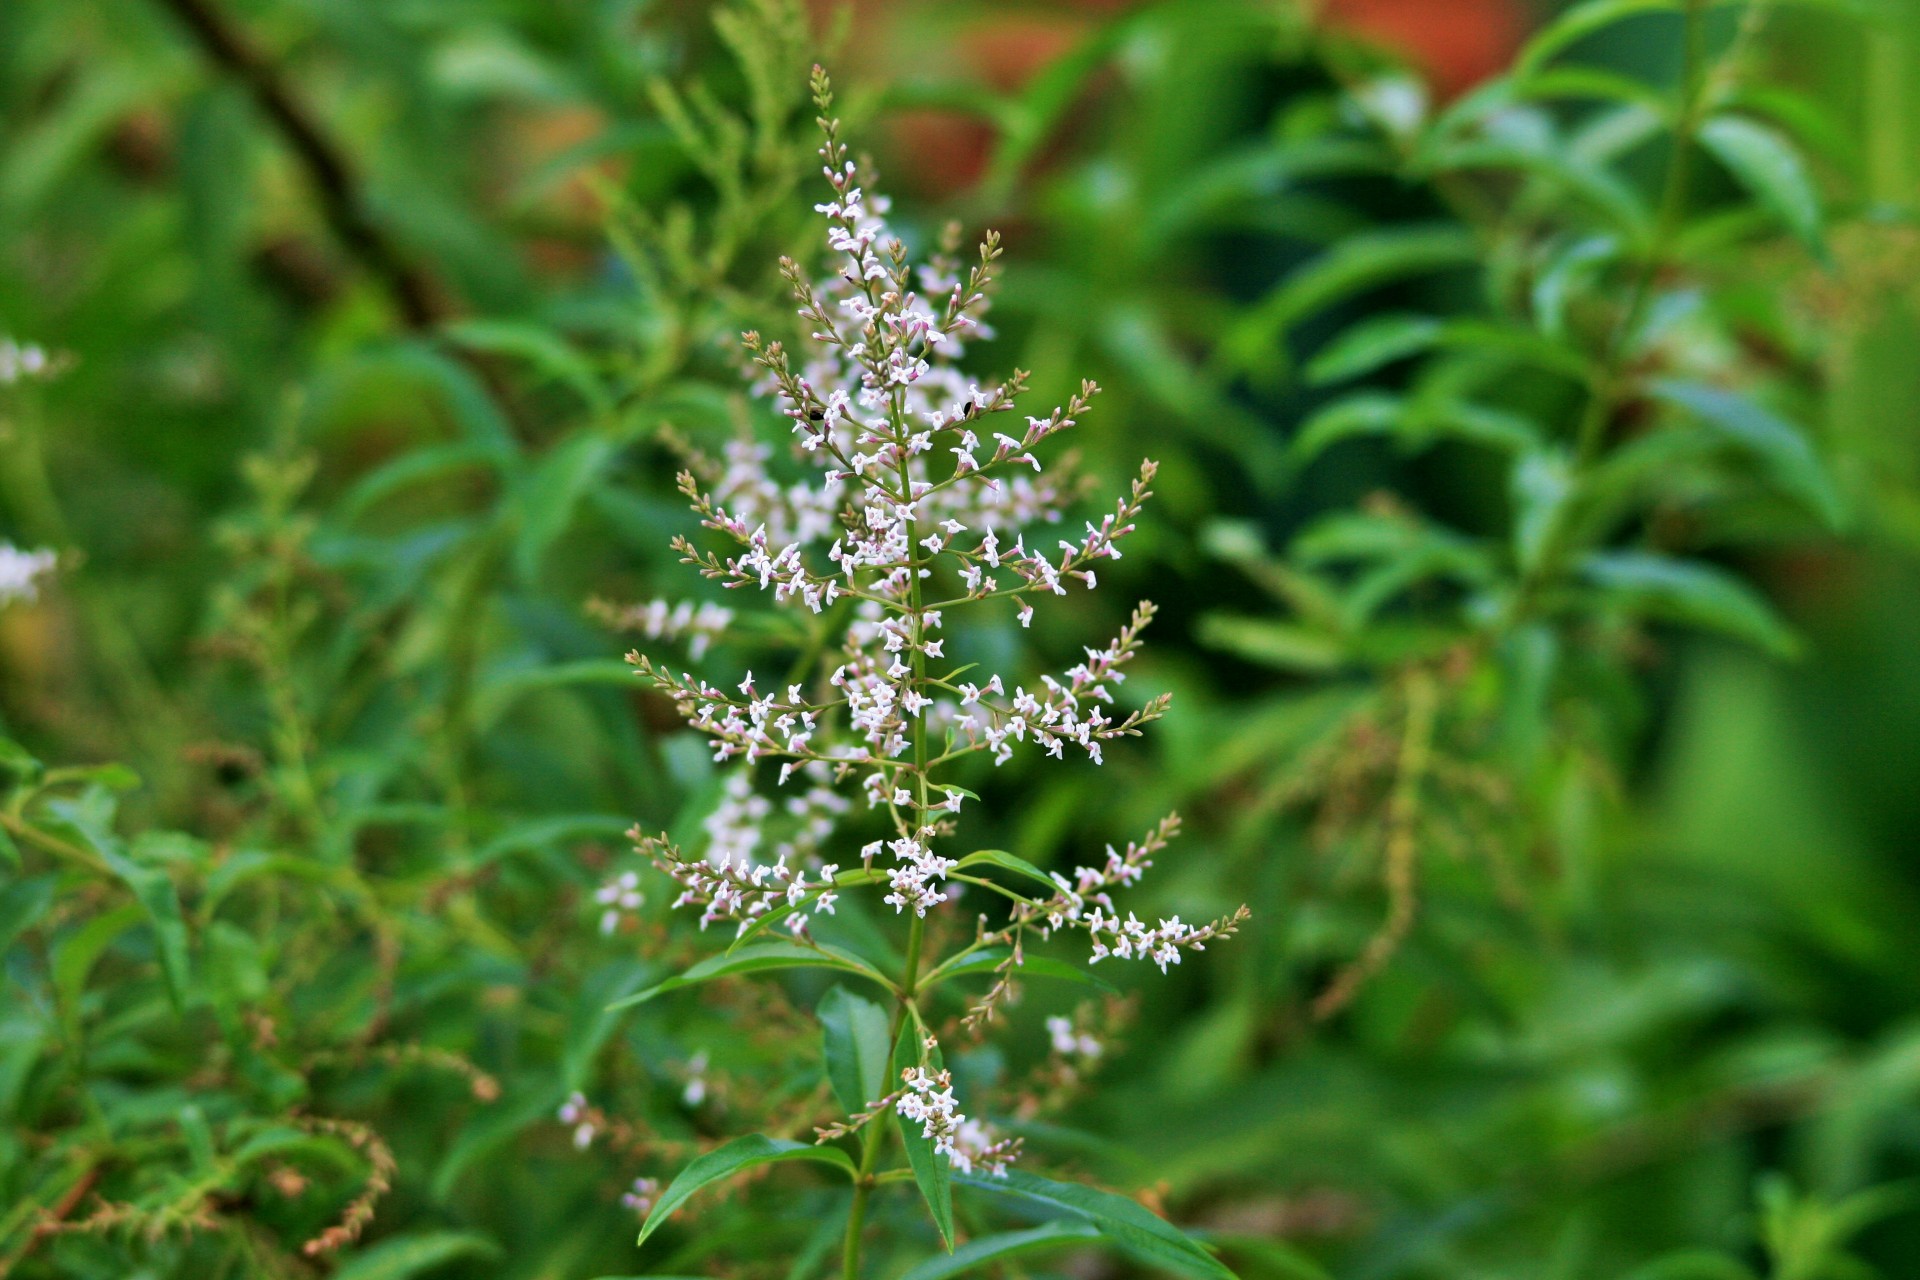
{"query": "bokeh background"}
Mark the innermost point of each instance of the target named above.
(373, 316)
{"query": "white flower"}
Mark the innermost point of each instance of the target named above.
(21, 571)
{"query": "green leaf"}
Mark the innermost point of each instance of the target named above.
(553, 493)
(1131, 1227)
(417, 466)
(1031, 966)
(539, 347)
(404, 1256)
(931, 1170)
(1372, 343)
(22, 904)
(1579, 22)
(1008, 862)
(1356, 264)
(77, 952)
(1769, 167)
(89, 817)
(1366, 413)
(1542, 483)
(766, 955)
(854, 1045)
(1691, 592)
(974, 1253)
(155, 892)
(1272, 643)
(1782, 449)
(735, 1157)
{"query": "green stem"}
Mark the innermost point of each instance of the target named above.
(1610, 379)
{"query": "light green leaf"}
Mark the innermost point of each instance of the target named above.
(1130, 1226)
(1372, 343)
(735, 1157)
(854, 1043)
(1782, 449)
(1367, 413)
(975, 1253)
(1272, 643)
(1768, 166)
(404, 1256)
(1008, 862)
(1031, 966)
(1691, 592)
(931, 1170)
(754, 959)
(1542, 483)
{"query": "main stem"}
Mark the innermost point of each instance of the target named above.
(1611, 378)
(916, 931)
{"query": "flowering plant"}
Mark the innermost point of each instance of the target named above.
(919, 507)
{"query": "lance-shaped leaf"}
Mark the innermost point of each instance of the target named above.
(1132, 1228)
(930, 1169)
(1008, 862)
(987, 959)
(1061, 1231)
(1769, 167)
(1691, 592)
(736, 1157)
(854, 1045)
(766, 955)
(1782, 449)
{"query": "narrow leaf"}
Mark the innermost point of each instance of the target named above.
(1130, 1226)
(1008, 862)
(766, 955)
(854, 1045)
(1770, 168)
(1691, 592)
(735, 1157)
(405, 1256)
(1052, 1235)
(931, 1171)
(1783, 450)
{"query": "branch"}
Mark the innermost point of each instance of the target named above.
(419, 300)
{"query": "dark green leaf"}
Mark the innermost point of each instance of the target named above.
(1579, 22)
(854, 1044)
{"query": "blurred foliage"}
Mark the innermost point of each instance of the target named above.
(1536, 557)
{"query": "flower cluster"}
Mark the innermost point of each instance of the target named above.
(910, 490)
(621, 898)
(699, 625)
(20, 361)
(928, 1101)
(742, 891)
(21, 571)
